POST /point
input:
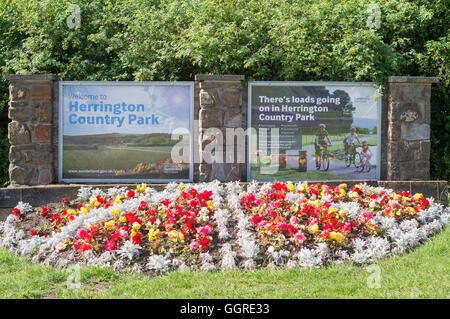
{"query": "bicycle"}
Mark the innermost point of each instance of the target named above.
(353, 158)
(365, 163)
(323, 159)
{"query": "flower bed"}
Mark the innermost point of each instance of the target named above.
(220, 226)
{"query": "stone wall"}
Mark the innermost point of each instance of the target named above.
(30, 129)
(220, 102)
(220, 108)
(408, 133)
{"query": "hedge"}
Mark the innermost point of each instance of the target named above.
(305, 40)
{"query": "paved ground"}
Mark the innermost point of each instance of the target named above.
(337, 167)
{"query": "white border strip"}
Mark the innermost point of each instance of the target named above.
(123, 83)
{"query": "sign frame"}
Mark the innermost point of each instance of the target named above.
(310, 83)
(60, 109)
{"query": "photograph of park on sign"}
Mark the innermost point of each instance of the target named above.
(120, 131)
(313, 130)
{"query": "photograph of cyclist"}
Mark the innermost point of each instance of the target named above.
(349, 142)
(366, 155)
(366, 150)
(320, 141)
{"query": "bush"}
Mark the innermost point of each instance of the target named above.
(264, 40)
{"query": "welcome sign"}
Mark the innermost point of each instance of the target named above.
(122, 131)
(313, 130)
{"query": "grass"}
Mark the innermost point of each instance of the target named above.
(113, 158)
(422, 273)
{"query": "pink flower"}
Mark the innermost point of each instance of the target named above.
(259, 202)
(116, 236)
(194, 245)
(204, 230)
(82, 233)
(110, 245)
(299, 238)
(313, 222)
(274, 205)
(262, 224)
(193, 213)
(365, 216)
(282, 225)
(293, 220)
(76, 244)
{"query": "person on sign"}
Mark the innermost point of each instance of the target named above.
(349, 141)
(366, 150)
(320, 140)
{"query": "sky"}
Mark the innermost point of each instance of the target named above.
(363, 98)
(171, 104)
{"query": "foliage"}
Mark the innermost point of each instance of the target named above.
(262, 39)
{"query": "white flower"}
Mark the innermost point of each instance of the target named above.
(84, 193)
(309, 258)
(158, 263)
(129, 250)
(24, 207)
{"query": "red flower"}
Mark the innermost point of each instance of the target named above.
(16, 212)
(94, 229)
(204, 241)
(130, 193)
(425, 203)
(205, 196)
(65, 201)
(256, 219)
(33, 232)
(85, 247)
(190, 224)
(55, 217)
(325, 234)
(165, 202)
(116, 236)
(194, 203)
(45, 211)
(137, 238)
(143, 206)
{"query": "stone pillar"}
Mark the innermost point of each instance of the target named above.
(408, 136)
(220, 109)
(30, 130)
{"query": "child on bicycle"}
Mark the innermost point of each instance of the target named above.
(320, 140)
(349, 142)
(365, 151)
